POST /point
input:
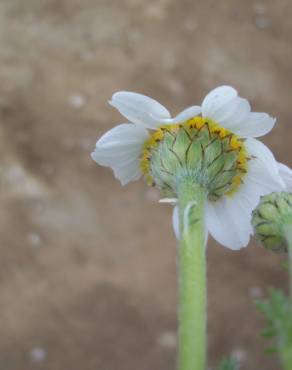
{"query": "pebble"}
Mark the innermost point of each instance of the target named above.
(259, 8)
(34, 239)
(255, 292)
(38, 354)
(191, 25)
(262, 22)
(77, 101)
(167, 340)
(152, 195)
(86, 144)
(239, 354)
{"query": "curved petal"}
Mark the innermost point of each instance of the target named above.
(120, 149)
(232, 114)
(286, 175)
(225, 107)
(175, 221)
(172, 201)
(255, 125)
(139, 109)
(186, 114)
(263, 166)
(217, 98)
(263, 175)
(228, 221)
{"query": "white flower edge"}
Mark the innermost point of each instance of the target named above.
(228, 220)
(223, 105)
(120, 148)
(145, 111)
(286, 175)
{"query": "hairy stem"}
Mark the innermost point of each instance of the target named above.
(192, 277)
(286, 351)
(287, 228)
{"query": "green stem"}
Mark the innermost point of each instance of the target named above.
(287, 228)
(286, 358)
(192, 277)
(286, 351)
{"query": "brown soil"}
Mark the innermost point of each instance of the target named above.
(87, 267)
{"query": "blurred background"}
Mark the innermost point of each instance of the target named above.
(87, 267)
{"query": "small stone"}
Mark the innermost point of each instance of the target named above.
(191, 25)
(38, 354)
(34, 239)
(77, 101)
(167, 340)
(134, 35)
(69, 143)
(157, 10)
(152, 195)
(48, 169)
(262, 22)
(255, 292)
(86, 144)
(169, 61)
(239, 354)
(19, 181)
(88, 56)
(176, 87)
(259, 8)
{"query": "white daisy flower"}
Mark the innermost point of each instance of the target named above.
(224, 120)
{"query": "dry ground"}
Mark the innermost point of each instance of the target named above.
(87, 267)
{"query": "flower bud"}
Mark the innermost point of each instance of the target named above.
(273, 212)
(199, 149)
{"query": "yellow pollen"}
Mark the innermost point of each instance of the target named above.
(193, 126)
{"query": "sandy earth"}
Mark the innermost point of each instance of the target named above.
(87, 267)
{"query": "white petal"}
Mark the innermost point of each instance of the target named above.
(262, 177)
(128, 172)
(186, 114)
(263, 166)
(125, 134)
(255, 125)
(120, 148)
(139, 108)
(228, 221)
(233, 113)
(286, 175)
(216, 99)
(226, 108)
(175, 221)
(172, 201)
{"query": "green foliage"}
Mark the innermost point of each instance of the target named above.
(285, 265)
(228, 363)
(278, 313)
